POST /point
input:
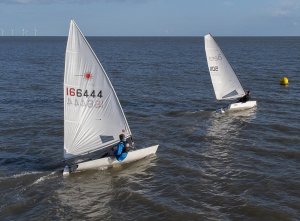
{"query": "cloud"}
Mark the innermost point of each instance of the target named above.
(286, 8)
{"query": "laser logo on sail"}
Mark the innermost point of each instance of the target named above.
(87, 75)
(215, 58)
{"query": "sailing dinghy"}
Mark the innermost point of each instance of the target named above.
(93, 116)
(225, 82)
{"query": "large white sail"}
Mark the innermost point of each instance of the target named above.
(93, 116)
(225, 82)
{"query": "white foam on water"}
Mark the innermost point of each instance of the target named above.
(43, 178)
(26, 173)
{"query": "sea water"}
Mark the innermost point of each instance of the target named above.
(209, 166)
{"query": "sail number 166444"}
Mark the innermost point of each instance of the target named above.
(82, 93)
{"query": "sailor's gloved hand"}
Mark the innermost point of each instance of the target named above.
(127, 147)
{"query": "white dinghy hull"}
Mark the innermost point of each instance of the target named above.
(238, 106)
(107, 162)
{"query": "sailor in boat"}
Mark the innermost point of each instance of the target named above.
(245, 98)
(122, 148)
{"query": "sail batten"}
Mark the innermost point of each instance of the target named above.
(225, 82)
(91, 107)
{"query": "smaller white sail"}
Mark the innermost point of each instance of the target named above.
(225, 82)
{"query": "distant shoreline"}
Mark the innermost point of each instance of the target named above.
(62, 36)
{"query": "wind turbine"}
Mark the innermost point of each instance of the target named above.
(35, 31)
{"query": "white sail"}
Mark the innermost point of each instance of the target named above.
(225, 82)
(93, 116)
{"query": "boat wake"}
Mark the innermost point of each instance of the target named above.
(20, 175)
(188, 113)
(44, 178)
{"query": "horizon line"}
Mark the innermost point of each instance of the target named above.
(140, 36)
